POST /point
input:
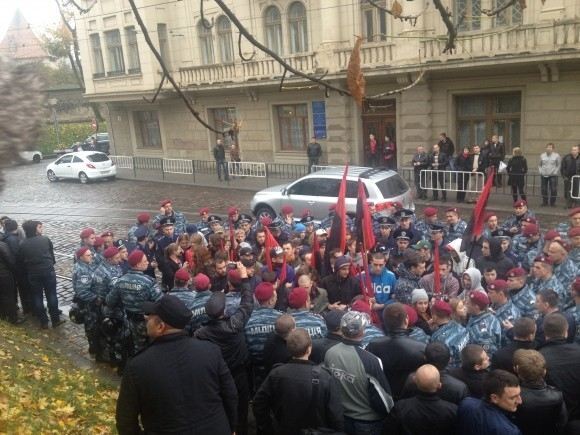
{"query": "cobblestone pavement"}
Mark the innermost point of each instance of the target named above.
(67, 206)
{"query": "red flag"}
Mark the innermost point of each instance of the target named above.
(477, 219)
(232, 252)
(363, 219)
(337, 235)
(282, 275)
(268, 245)
(436, 272)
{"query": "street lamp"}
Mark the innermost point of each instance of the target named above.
(52, 102)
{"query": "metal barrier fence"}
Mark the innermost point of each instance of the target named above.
(178, 166)
(452, 181)
(122, 162)
(247, 169)
(575, 187)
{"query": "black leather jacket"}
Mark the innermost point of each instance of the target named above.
(542, 410)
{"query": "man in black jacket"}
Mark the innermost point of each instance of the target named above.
(473, 370)
(177, 384)
(496, 154)
(399, 354)
(452, 390)
(524, 332)
(542, 410)
(562, 362)
(426, 412)
(571, 166)
(299, 394)
(8, 307)
(438, 161)
(341, 287)
(313, 151)
(219, 154)
(228, 334)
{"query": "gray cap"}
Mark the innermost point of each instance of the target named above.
(333, 318)
(353, 323)
(215, 305)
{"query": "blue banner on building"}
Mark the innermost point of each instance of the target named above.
(319, 119)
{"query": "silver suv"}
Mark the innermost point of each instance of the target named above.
(318, 190)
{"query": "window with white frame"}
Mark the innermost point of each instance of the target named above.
(163, 39)
(292, 122)
(374, 21)
(97, 51)
(224, 34)
(205, 43)
(147, 128)
(298, 28)
(511, 16)
(116, 63)
(468, 14)
(273, 29)
(134, 63)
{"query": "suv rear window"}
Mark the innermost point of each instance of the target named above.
(392, 186)
(97, 157)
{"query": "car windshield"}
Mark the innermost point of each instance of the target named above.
(392, 186)
(97, 157)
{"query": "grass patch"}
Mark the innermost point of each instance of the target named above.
(41, 392)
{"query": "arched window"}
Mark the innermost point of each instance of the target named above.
(205, 44)
(298, 28)
(224, 32)
(273, 27)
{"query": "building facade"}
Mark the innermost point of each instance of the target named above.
(516, 75)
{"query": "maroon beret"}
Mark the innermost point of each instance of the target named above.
(164, 202)
(87, 232)
(574, 232)
(544, 259)
(135, 257)
(182, 274)
(143, 218)
(81, 251)
(110, 252)
(412, 315)
(520, 203)
(430, 211)
(286, 209)
(264, 291)
(574, 211)
(517, 272)
(297, 297)
(201, 282)
(497, 285)
(479, 298)
(234, 277)
(361, 306)
(99, 241)
(551, 235)
(442, 307)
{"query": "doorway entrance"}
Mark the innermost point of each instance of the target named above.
(379, 119)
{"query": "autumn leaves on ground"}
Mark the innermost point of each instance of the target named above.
(41, 392)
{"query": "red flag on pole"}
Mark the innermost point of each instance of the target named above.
(232, 252)
(363, 219)
(478, 215)
(337, 237)
(268, 245)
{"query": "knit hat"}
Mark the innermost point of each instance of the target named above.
(299, 228)
(342, 261)
(201, 282)
(135, 257)
(419, 294)
(297, 297)
(480, 299)
(264, 291)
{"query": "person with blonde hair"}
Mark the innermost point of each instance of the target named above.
(517, 168)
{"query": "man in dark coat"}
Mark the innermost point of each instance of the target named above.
(399, 354)
(494, 258)
(571, 166)
(291, 394)
(496, 154)
(524, 332)
(473, 370)
(177, 384)
(426, 412)
(313, 151)
(438, 161)
(562, 362)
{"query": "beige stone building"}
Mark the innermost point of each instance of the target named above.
(516, 75)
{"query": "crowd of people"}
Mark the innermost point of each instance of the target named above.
(477, 159)
(447, 333)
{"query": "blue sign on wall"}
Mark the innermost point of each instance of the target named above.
(319, 119)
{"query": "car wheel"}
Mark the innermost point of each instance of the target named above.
(36, 158)
(51, 176)
(83, 178)
(265, 211)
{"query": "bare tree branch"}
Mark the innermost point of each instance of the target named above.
(157, 91)
(166, 72)
(275, 56)
(245, 59)
(497, 11)
(205, 23)
(76, 64)
(80, 8)
(411, 18)
(451, 29)
(400, 90)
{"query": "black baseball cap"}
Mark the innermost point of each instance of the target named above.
(171, 310)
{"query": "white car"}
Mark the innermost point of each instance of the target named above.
(31, 156)
(82, 165)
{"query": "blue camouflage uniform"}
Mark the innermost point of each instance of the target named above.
(528, 259)
(525, 301)
(186, 295)
(424, 228)
(563, 229)
(180, 221)
(574, 255)
(259, 326)
(485, 330)
(526, 252)
(507, 311)
(456, 231)
(313, 323)
(515, 221)
(86, 298)
(131, 234)
(104, 277)
(405, 285)
(371, 333)
(418, 334)
(82, 281)
(566, 272)
(98, 259)
(455, 337)
(130, 291)
(574, 311)
(199, 317)
(232, 302)
(551, 283)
